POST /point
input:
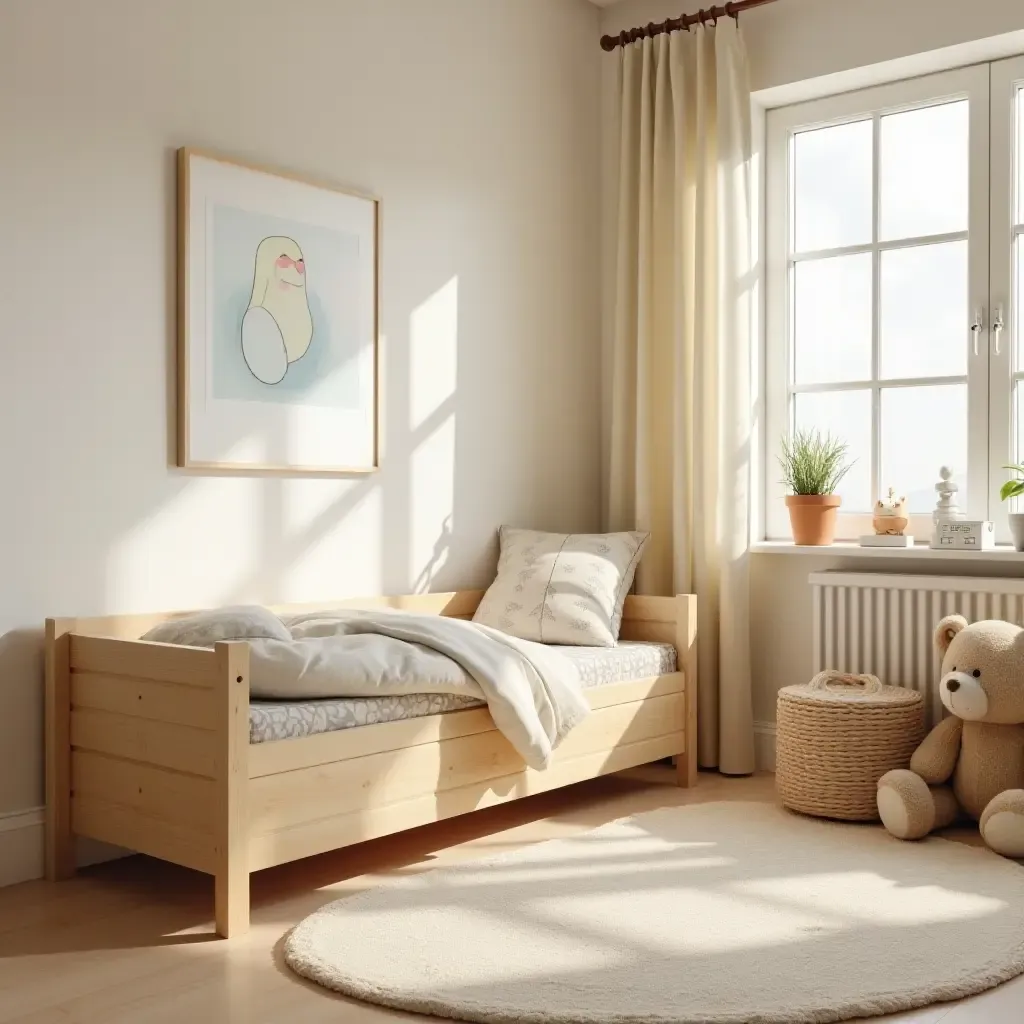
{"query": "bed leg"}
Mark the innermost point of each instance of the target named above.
(231, 878)
(231, 898)
(686, 648)
(685, 776)
(60, 845)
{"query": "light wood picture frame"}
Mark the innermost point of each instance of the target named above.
(278, 321)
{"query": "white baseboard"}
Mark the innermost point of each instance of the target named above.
(764, 746)
(21, 846)
(22, 855)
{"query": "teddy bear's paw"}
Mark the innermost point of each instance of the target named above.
(1002, 823)
(905, 804)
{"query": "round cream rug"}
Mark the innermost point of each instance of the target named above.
(723, 913)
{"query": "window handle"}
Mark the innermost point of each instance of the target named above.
(977, 326)
(997, 327)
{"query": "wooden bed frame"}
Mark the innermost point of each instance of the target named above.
(147, 747)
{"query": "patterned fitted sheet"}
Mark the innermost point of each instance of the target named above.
(598, 666)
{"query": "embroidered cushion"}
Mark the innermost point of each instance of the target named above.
(561, 588)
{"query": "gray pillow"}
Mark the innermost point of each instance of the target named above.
(204, 629)
(562, 588)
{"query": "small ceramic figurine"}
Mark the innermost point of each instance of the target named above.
(890, 516)
(946, 508)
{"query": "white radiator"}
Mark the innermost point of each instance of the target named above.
(883, 623)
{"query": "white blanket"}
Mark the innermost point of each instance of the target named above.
(533, 693)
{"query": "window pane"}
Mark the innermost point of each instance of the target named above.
(1019, 156)
(924, 325)
(924, 429)
(923, 174)
(1018, 296)
(832, 186)
(832, 319)
(845, 415)
(1018, 439)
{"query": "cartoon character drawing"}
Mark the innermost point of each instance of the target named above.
(277, 327)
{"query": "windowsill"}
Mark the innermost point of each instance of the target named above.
(850, 549)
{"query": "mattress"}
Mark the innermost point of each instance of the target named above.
(598, 666)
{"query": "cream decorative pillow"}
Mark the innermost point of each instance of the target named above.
(561, 588)
(204, 629)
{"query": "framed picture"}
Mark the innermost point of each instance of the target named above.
(278, 282)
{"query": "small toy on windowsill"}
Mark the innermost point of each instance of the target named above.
(953, 531)
(889, 521)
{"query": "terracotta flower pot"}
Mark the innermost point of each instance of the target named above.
(813, 517)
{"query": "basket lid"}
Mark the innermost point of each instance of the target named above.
(831, 687)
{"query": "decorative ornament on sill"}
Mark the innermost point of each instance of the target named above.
(889, 520)
(953, 531)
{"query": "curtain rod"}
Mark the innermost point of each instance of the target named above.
(730, 10)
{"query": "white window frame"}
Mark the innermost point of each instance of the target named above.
(971, 83)
(1007, 77)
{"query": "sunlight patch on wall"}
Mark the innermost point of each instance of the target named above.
(433, 381)
(433, 352)
(190, 551)
(432, 499)
(306, 503)
(343, 558)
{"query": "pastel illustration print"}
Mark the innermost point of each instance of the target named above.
(277, 327)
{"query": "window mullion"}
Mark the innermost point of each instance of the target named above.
(876, 314)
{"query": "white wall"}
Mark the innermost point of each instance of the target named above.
(478, 126)
(788, 42)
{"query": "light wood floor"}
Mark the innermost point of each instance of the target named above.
(130, 942)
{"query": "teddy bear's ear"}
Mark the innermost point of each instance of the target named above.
(946, 630)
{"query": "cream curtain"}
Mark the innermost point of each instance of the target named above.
(681, 362)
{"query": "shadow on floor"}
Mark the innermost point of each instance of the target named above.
(138, 902)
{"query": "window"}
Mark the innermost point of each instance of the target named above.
(895, 230)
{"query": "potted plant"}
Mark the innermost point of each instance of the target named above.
(1014, 489)
(812, 467)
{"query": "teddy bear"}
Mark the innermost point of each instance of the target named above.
(972, 762)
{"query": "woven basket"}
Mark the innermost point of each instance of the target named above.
(837, 736)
